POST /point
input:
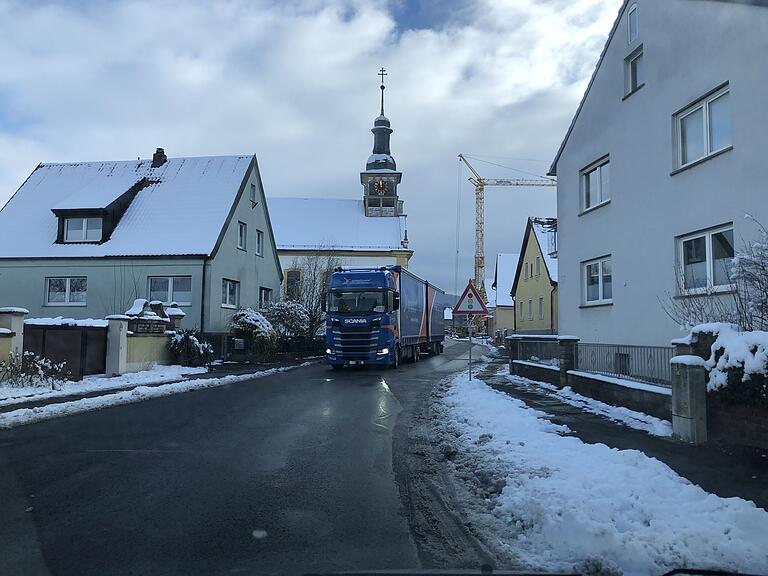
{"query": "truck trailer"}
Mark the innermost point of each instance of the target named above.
(381, 316)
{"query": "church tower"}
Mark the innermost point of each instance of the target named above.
(381, 178)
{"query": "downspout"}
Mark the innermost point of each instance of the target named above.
(552, 310)
(202, 298)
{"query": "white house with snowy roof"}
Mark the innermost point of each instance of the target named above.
(85, 239)
(502, 301)
(355, 232)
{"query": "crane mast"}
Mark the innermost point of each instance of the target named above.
(480, 183)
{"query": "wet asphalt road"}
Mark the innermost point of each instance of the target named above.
(281, 475)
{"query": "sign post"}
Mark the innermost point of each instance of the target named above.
(471, 304)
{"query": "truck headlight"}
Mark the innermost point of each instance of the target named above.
(328, 351)
(384, 351)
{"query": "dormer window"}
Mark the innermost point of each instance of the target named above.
(82, 229)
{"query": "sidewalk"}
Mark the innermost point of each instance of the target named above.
(216, 371)
(724, 471)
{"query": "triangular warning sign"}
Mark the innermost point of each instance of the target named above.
(470, 302)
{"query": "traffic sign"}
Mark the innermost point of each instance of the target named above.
(470, 302)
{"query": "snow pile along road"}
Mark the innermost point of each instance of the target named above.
(31, 415)
(556, 503)
(632, 418)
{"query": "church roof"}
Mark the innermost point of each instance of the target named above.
(332, 223)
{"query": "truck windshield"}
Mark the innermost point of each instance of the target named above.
(357, 302)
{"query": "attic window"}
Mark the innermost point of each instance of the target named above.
(82, 229)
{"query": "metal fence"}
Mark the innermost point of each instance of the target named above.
(641, 363)
(542, 349)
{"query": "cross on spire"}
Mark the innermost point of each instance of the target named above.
(382, 73)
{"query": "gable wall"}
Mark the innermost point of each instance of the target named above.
(251, 270)
(533, 288)
(689, 48)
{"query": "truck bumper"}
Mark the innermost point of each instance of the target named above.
(371, 360)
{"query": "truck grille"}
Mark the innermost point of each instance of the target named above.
(356, 342)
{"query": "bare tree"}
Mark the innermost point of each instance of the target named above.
(315, 273)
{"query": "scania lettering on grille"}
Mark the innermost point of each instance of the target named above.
(355, 321)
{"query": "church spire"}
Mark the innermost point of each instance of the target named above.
(381, 158)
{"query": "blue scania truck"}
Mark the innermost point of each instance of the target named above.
(381, 316)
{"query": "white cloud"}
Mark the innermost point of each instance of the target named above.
(295, 83)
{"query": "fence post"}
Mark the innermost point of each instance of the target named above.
(689, 399)
(13, 319)
(117, 345)
(569, 357)
(513, 345)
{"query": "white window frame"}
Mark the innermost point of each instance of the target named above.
(252, 195)
(584, 177)
(541, 307)
(632, 10)
(601, 300)
(631, 87)
(242, 235)
(710, 288)
(701, 104)
(259, 242)
(67, 297)
(83, 230)
(171, 291)
(225, 303)
(262, 290)
(530, 308)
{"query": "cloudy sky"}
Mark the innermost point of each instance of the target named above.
(295, 83)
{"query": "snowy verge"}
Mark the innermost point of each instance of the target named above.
(30, 415)
(157, 375)
(632, 418)
(562, 503)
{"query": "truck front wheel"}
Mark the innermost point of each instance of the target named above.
(396, 359)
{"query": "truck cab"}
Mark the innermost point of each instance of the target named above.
(361, 317)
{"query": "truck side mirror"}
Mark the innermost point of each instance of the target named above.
(396, 301)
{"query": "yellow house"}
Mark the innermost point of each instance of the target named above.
(535, 285)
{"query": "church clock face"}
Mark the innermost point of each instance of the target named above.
(380, 187)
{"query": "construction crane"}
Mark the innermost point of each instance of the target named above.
(480, 183)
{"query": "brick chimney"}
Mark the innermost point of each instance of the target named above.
(159, 158)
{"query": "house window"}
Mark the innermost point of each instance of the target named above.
(242, 235)
(706, 259)
(230, 293)
(522, 310)
(169, 289)
(259, 243)
(530, 309)
(265, 297)
(541, 308)
(538, 265)
(704, 128)
(634, 71)
(292, 284)
(632, 24)
(66, 291)
(253, 194)
(598, 281)
(596, 184)
(82, 229)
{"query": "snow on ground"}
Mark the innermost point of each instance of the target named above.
(30, 415)
(157, 375)
(556, 503)
(631, 418)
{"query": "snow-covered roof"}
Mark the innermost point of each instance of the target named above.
(182, 211)
(490, 292)
(506, 266)
(332, 223)
(544, 234)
